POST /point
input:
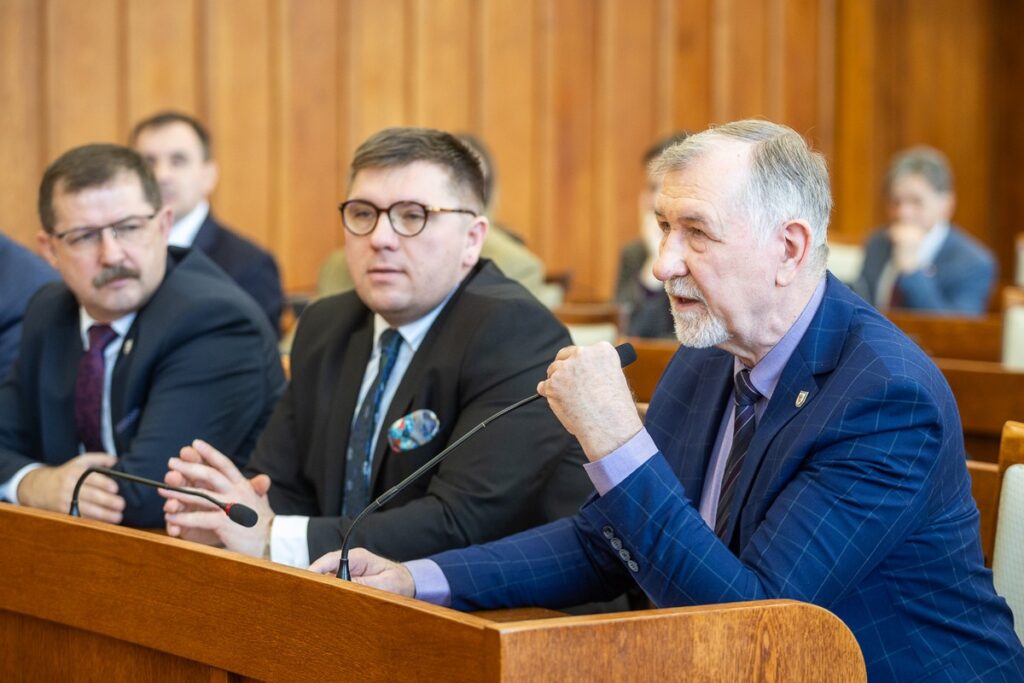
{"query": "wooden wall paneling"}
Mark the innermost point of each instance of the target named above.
(508, 97)
(1006, 107)
(740, 60)
(23, 154)
(567, 182)
(692, 84)
(380, 77)
(241, 116)
(84, 86)
(800, 50)
(626, 115)
(854, 163)
(445, 64)
(163, 58)
(306, 216)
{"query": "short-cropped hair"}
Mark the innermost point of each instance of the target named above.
(166, 118)
(927, 162)
(92, 166)
(396, 147)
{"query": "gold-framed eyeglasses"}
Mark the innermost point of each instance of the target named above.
(407, 218)
(128, 230)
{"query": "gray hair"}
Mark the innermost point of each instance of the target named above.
(927, 162)
(787, 180)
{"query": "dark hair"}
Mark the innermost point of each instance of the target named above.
(927, 162)
(655, 150)
(90, 166)
(393, 147)
(477, 146)
(166, 118)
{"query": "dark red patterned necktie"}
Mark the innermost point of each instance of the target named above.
(89, 389)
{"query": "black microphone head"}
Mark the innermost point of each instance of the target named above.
(241, 514)
(627, 354)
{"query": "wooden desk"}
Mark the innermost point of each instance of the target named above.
(961, 337)
(82, 600)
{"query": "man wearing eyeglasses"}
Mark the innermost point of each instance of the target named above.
(140, 349)
(430, 326)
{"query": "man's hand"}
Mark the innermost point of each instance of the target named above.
(589, 395)
(50, 488)
(906, 245)
(201, 466)
(370, 570)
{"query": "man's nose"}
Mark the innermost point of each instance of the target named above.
(111, 251)
(671, 259)
(384, 235)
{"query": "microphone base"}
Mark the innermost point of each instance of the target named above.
(343, 570)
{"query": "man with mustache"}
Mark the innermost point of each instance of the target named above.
(799, 446)
(429, 326)
(138, 350)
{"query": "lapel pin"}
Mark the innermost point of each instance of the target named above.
(801, 399)
(127, 348)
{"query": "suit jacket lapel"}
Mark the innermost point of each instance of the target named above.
(702, 423)
(343, 408)
(62, 354)
(207, 236)
(816, 355)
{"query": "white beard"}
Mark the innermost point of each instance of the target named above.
(698, 329)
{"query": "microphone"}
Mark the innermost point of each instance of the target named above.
(236, 512)
(627, 354)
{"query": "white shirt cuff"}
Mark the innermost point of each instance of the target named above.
(9, 490)
(288, 541)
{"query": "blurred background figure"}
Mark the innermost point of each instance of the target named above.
(641, 296)
(22, 273)
(921, 260)
(178, 149)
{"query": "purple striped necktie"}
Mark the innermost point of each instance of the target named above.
(742, 433)
(89, 389)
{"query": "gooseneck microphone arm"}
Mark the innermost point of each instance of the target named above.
(627, 354)
(238, 513)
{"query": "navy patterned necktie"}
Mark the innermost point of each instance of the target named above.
(359, 454)
(742, 433)
(89, 389)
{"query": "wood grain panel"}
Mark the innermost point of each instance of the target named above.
(692, 66)
(309, 117)
(84, 95)
(567, 138)
(241, 117)
(379, 54)
(740, 60)
(627, 63)
(162, 58)
(445, 64)
(508, 96)
(22, 156)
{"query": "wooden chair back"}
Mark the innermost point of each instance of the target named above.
(961, 337)
(987, 481)
(652, 356)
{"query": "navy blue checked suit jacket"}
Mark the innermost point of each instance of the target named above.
(858, 501)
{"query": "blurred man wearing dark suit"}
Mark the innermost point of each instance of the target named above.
(140, 349)
(178, 148)
(21, 274)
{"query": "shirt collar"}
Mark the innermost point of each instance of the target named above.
(412, 333)
(932, 242)
(766, 374)
(185, 229)
(120, 326)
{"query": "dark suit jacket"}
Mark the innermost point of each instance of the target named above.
(959, 280)
(21, 274)
(648, 314)
(858, 501)
(488, 348)
(250, 266)
(199, 361)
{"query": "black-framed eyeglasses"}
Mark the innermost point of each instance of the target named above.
(127, 230)
(407, 218)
